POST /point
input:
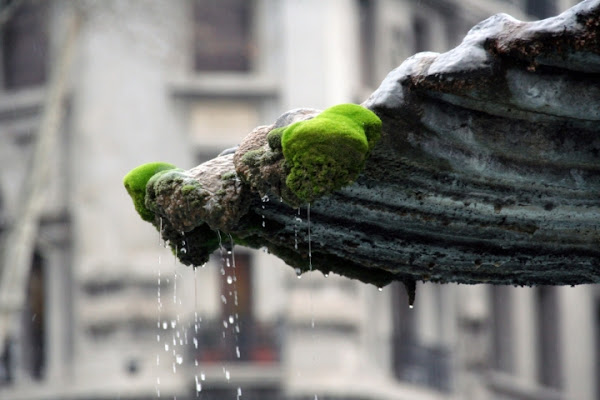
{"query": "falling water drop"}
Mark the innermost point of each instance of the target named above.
(380, 289)
(179, 359)
(239, 392)
(231, 319)
(237, 351)
(198, 385)
(229, 280)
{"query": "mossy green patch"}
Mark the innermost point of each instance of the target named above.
(329, 151)
(274, 138)
(135, 182)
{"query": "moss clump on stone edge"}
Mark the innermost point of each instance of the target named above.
(329, 151)
(135, 182)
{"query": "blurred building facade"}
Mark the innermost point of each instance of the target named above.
(110, 314)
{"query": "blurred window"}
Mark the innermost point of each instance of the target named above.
(24, 45)
(237, 336)
(222, 35)
(540, 8)
(548, 323)
(502, 329)
(414, 361)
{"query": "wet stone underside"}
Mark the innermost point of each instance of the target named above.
(487, 171)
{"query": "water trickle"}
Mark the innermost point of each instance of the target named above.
(198, 385)
(160, 224)
(309, 241)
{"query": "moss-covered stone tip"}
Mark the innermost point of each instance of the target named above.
(329, 151)
(135, 182)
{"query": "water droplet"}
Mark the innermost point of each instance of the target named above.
(223, 299)
(195, 343)
(237, 351)
(227, 375)
(157, 359)
(411, 306)
(183, 250)
(165, 325)
(229, 280)
(380, 289)
(225, 324)
(158, 338)
(239, 392)
(174, 368)
(198, 385)
(263, 224)
(173, 323)
(202, 376)
(166, 346)
(179, 359)
(231, 319)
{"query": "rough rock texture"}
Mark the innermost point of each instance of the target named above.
(487, 171)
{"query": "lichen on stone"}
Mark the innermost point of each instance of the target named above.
(329, 151)
(135, 183)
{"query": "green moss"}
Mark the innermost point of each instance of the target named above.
(229, 176)
(274, 138)
(329, 151)
(188, 188)
(135, 182)
(252, 157)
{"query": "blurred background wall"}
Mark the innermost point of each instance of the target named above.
(110, 314)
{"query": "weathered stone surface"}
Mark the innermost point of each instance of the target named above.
(487, 171)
